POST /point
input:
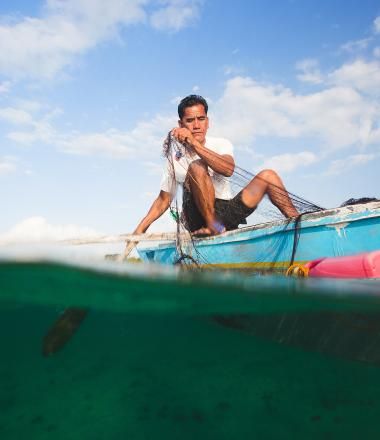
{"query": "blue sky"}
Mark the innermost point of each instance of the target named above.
(89, 89)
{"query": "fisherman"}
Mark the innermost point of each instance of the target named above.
(203, 167)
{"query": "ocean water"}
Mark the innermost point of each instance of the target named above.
(146, 353)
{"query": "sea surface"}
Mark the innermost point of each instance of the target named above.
(111, 351)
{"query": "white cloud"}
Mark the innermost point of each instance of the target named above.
(356, 46)
(7, 166)
(343, 165)
(42, 46)
(16, 116)
(176, 100)
(230, 70)
(5, 86)
(376, 52)
(34, 126)
(32, 121)
(361, 75)
(147, 135)
(374, 136)
(175, 14)
(37, 229)
(30, 127)
(310, 72)
(285, 163)
(343, 113)
(376, 25)
(337, 116)
(99, 13)
(30, 105)
(111, 143)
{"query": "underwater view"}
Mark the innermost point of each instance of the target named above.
(140, 352)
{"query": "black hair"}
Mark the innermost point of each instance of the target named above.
(189, 101)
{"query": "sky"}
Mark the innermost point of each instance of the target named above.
(89, 90)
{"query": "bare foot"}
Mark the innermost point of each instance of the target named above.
(207, 232)
(202, 232)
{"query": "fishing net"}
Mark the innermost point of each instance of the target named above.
(179, 156)
(361, 200)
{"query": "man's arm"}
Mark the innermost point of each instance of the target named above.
(223, 164)
(159, 206)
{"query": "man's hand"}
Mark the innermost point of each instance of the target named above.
(184, 136)
(129, 246)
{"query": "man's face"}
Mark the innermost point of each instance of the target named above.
(195, 120)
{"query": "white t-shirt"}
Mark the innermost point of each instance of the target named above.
(221, 183)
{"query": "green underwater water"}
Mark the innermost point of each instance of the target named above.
(164, 359)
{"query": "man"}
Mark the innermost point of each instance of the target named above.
(203, 170)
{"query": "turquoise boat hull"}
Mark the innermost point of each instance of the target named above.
(273, 246)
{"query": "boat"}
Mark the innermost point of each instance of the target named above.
(274, 246)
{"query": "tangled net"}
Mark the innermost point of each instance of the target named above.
(187, 252)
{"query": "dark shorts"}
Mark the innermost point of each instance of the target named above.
(231, 213)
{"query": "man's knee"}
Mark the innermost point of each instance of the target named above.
(197, 168)
(268, 175)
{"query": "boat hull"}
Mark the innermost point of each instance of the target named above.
(270, 246)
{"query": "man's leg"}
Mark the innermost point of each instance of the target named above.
(268, 182)
(202, 189)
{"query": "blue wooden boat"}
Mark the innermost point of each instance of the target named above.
(275, 245)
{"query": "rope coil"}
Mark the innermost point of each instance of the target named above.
(297, 270)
